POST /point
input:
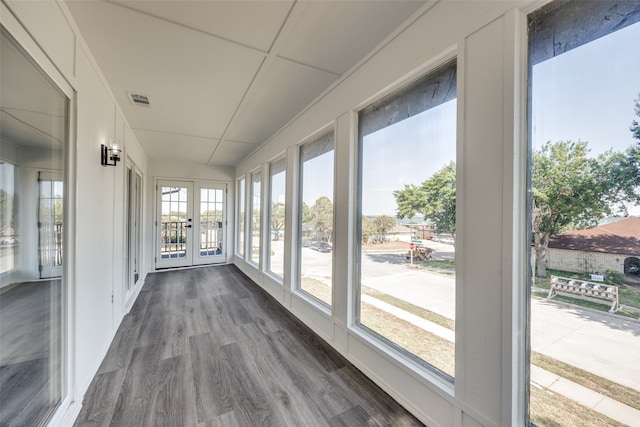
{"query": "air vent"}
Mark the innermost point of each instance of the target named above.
(139, 99)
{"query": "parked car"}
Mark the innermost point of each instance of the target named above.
(321, 247)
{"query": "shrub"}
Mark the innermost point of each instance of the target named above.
(614, 276)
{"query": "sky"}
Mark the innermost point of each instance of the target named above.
(589, 94)
(318, 178)
(278, 188)
(407, 152)
(585, 94)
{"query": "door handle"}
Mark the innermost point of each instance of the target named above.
(189, 226)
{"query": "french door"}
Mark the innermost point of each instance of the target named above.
(50, 224)
(190, 223)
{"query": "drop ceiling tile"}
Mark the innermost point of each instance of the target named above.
(231, 153)
(158, 145)
(194, 81)
(335, 35)
(252, 23)
(283, 91)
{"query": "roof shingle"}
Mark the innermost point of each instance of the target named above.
(620, 237)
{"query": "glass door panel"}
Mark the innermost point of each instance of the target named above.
(210, 222)
(175, 224)
(50, 222)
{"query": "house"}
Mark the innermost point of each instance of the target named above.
(400, 233)
(144, 136)
(613, 246)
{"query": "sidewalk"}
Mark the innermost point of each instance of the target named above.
(539, 377)
(586, 397)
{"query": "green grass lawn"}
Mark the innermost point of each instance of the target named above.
(440, 265)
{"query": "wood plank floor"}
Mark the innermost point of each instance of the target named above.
(30, 319)
(207, 347)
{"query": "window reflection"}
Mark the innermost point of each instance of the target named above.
(33, 135)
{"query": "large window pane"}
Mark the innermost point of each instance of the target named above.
(33, 138)
(277, 176)
(316, 217)
(241, 217)
(585, 287)
(408, 200)
(256, 182)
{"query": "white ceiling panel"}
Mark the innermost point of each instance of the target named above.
(159, 145)
(230, 153)
(251, 23)
(229, 70)
(335, 35)
(194, 81)
(291, 85)
(22, 133)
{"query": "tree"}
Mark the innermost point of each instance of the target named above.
(570, 190)
(635, 125)
(7, 219)
(368, 230)
(634, 152)
(322, 217)
(435, 199)
(382, 225)
(277, 218)
(306, 213)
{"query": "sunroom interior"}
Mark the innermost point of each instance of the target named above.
(278, 137)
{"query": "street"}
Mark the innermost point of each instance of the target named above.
(603, 344)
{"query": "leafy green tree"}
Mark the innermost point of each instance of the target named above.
(382, 225)
(368, 230)
(435, 198)
(571, 190)
(306, 213)
(634, 152)
(277, 217)
(635, 125)
(7, 215)
(322, 217)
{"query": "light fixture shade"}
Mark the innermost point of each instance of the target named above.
(109, 156)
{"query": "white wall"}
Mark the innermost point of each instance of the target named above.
(96, 248)
(488, 40)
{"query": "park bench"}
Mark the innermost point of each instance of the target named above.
(590, 291)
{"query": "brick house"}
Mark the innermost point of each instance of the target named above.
(614, 246)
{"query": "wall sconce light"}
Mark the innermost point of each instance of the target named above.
(110, 154)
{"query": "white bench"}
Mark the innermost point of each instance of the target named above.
(590, 291)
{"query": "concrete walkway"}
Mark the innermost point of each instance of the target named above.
(586, 397)
(603, 344)
(539, 377)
